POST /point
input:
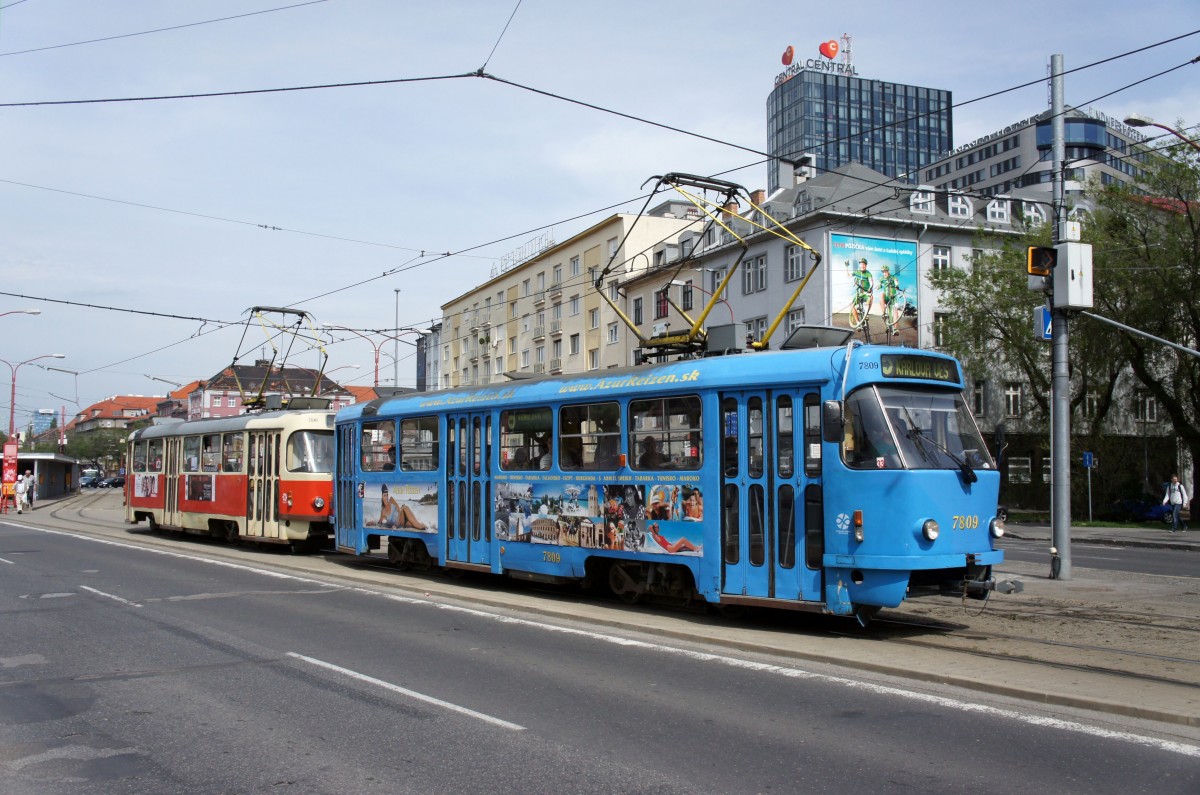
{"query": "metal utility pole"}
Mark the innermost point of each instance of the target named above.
(396, 345)
(1060, 381)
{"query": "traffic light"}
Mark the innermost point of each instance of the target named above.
(1040, 260)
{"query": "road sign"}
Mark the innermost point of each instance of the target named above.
(1041, 322)
(1087, 460)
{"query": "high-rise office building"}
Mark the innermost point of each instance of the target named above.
(821, 107)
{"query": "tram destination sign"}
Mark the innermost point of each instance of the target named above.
(911, 365)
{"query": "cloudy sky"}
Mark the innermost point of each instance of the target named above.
(198, 208)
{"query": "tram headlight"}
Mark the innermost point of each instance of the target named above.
(318, 502)
(997, 528)
(930, 529)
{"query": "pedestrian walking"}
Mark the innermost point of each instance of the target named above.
(1176, 497)
(30, 488)
(20, 492)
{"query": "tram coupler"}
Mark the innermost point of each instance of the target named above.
(977, 589)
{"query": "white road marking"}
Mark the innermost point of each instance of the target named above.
(110, 596)
(793, 673)
(9, 562)
(406, 692)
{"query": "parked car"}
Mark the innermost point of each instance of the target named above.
(89, 482)
(114, 482)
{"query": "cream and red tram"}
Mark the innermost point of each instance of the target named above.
(263, 477)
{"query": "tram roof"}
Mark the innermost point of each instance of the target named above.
(264, 419)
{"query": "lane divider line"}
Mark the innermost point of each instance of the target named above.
(114, 597)
(406, 692)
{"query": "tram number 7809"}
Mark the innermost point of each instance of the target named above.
(966, 522)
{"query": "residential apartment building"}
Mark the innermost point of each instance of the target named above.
(543, 314)
(224, 394)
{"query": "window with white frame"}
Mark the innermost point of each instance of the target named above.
(524, 323)
(593, 318)
(756, 327)
(574, 347)
(612, 333)
(754, 275)
(525, 288)
(612, 247)
(556, 312)
(1145, 408)
(941, 258)
(593, 274)
(979, 398)
(594, 359)
(574, 266)
(1014, 394)
(795, 319)
(539, 354)
(940, 336)
(1020, 469)
(574, 305)
(718, 276)
(959, 207)
(556, 279)
(793, 266)
(921, 201)
(512, 345)
(997, 211)
(556, 349)
(524, 357)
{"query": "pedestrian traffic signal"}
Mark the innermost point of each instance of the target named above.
(1040, 260)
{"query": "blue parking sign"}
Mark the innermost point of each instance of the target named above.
(1087, 460)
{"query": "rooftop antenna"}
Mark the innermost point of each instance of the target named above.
(847, 53)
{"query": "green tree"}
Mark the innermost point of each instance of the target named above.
(1148, 277)
(98, 446)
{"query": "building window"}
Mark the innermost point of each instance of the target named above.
(754, 275)
(574, 305)
(594, 359)
(921, 201)
(539, 355)
(941, 258)
(574, 350)
(660, 303)
(593, 318)
(978, 402)
(556, 312)
(1090, 403)
(718, 276)
(612, 247)
(1145, 408)
(525, 357)
(756, 327)
(795, 319)
(524, 323)
(541, 281)
(612, 333)
(593, 274)
(940, 336)
(525, 289)
(997, 211)
(1019, 469)
(793, 267)
(1034, 215)
(574, 266)
(556, 279)
(685, 295)
(231, 401)
(1046, 471)
(556, 349)
(1013, 398)
(512, 345)
(637, 311)
(959, 207)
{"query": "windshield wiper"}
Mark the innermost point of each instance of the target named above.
(920, 440)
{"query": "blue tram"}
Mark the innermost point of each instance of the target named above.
(835, 478)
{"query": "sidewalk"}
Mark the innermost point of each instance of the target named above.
(1155, 537)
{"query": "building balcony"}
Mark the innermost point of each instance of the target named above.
(556, 290)
(556, 365)
(539, 332)
(539, 368)
(556, 327)
(539, 298)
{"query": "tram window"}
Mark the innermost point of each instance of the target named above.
(210, 459)
(191, 454)
(310, 451)
(665, 433)
(378, 445)
(812, 435)
(757, 525)
(476, 454)
(154, 456)
(754, 451)
(589, 436)
(786, 554)
(729, 437)
(730, 523)
(784, 446)
(419, 444)
(525, 439)
(231, 453)
(463, 442)
(139, 456)
(867, 442)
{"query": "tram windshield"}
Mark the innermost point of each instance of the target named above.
(890, 427)
(310, 451)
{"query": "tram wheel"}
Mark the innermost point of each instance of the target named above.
(865, 614)
(731, 611)
(396, 554)
(622, 585)
(151, 525)
(231, 532)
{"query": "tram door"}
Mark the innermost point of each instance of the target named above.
(763, 481)
(468, 489)
(171, 515)
(262, 485)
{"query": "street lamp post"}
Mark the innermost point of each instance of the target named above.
(374, 345)
(1138, 120)
(12, 406)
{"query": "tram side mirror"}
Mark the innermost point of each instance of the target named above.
(831, 421)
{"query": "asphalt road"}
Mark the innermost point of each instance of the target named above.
(1107, 557)
(128, 669)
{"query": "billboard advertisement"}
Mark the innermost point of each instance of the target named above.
(874, 287)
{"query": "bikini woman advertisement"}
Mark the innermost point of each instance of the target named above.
(401, 506)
